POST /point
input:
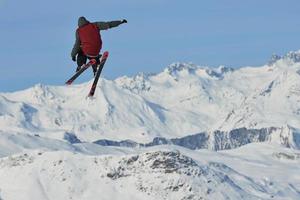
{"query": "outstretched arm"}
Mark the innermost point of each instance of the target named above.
(108, 25)
(76, 47)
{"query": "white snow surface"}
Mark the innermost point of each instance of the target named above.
(254, 171)
(183, 99)
(36, 161)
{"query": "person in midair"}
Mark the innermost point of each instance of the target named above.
(88, 40)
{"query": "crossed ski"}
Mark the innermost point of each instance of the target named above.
(97, 76)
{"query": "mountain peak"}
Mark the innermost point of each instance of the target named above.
(218, 72)
(214, 72)
(292, 56)
(174, 68)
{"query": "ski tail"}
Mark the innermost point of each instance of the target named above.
(100, 67)
(82, 69)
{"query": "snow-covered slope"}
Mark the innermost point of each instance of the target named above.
(184, 99)
(158, 173)
(189, 132)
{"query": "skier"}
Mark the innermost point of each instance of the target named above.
(88, 41)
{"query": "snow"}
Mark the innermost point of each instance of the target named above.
(255, 171)
(181, 100)
(238, 131)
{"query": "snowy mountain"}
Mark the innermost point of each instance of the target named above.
(182, 100)
(165, 172)
(188, 132)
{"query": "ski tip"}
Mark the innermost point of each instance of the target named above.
(91, 97)
(68, 83)
(105, 54)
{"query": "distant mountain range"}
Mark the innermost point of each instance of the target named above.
(188, 133)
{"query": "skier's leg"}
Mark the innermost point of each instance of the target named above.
(81, 60)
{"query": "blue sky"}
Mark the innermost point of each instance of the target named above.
(36, 37)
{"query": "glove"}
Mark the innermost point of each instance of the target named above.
(74, 58)
(124, 21)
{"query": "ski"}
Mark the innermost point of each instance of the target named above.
(100, 67)
(82, 69)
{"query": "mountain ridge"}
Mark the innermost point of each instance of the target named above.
(186, 133)
(182, 99)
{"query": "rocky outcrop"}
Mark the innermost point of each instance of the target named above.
(221, 140)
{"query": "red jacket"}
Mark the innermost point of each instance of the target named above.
(90, 39)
